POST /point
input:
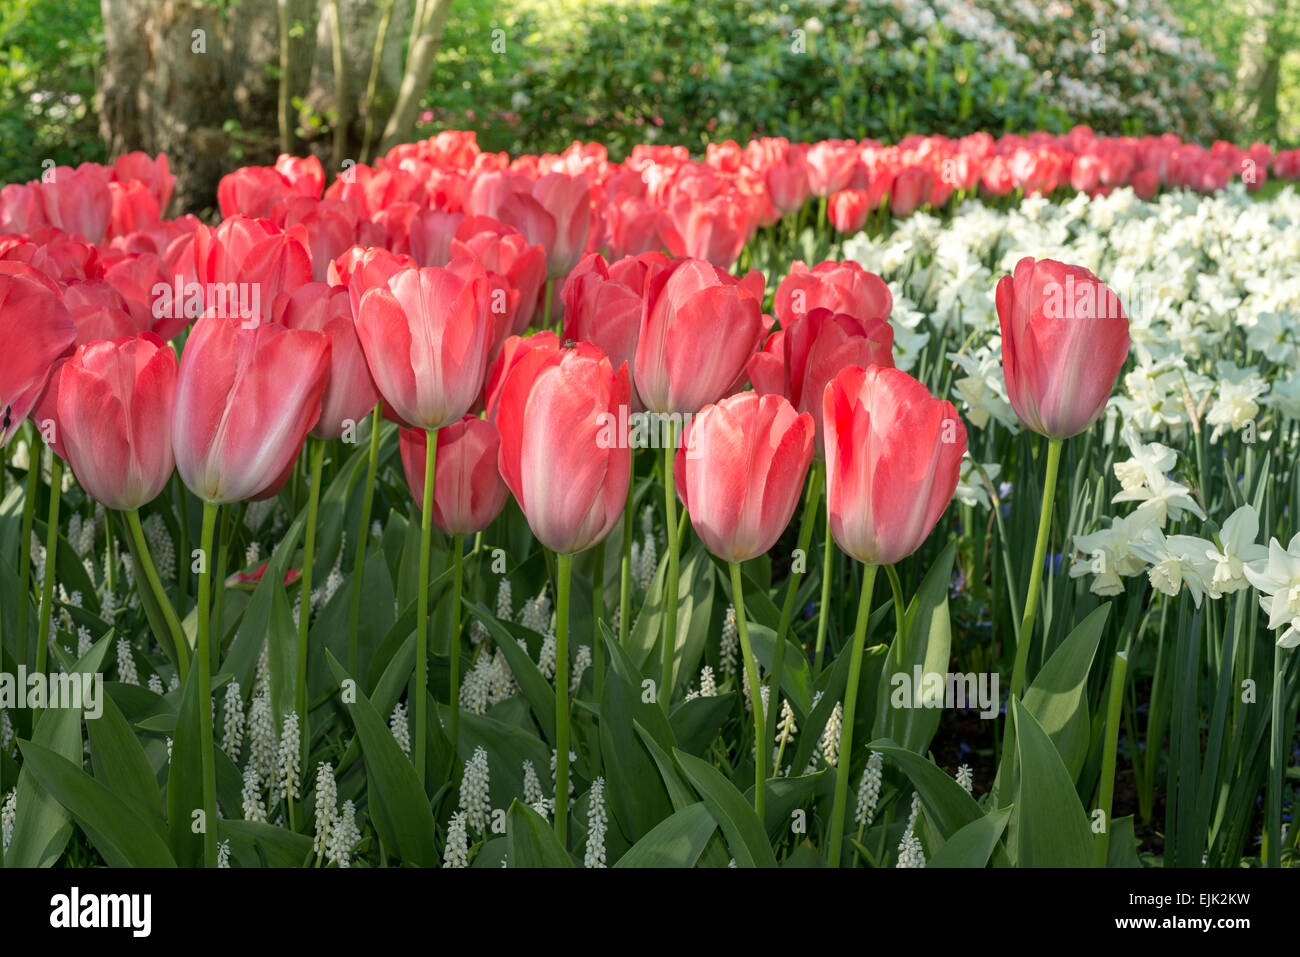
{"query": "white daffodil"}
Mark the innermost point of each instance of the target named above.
(1238, 399)
(971, 489)
(983, 390)
(1108, 553)
(1278, 579)
(1175, 561)
(1151, 459)
(1239, 548)
(1162, 499)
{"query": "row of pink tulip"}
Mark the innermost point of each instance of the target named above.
(414, 198)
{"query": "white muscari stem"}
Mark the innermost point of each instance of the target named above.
(829, 744)
(160, 546)
(532, 785)
(6, 732)
(400, 727)
(505, 601)
(474, 798)
(327, 797)
(261, 738)
(581, 662)
(869, 790)
(251, 796)
(155, 684)
(344, 836)
(126, 672)
(728, 648)
(288, 770)
(910, 852)
(786, 729)
(708, 684)
(573, 756)
(546, 656)
(596, 823)
(232, 736)
(223, 854)
(456, 851)
(8, 815)
(966, 778)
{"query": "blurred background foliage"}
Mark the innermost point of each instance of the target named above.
(48, 58)
(534, 75)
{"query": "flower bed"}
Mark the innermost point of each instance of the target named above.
(397, 508)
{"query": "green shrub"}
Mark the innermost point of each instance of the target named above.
(678, 71)
(48, 54)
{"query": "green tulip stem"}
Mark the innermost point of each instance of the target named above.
(840, 806)
(1036, 571)
(755, 691)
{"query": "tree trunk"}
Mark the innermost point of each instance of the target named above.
(184, 78)
(1259, 66)
(426, 34)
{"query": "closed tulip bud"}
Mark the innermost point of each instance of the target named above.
(713, 229)
(893, 459)
(564, 451)
(350, 392)
(699, 327)
(245, 401)
(848, 210)
(912, 187)
(568, 200)
(1065, 339)
(115, 416)
(426, 335)
(468, 493)
(740, 472)
(798, 361)
(36, 324)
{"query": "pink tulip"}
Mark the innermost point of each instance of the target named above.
(115, 418)
(468, 493)
(848, 210)
(564, 452)
(245, 401)
(350, 391)
(798, 361)
(33, 314)
(699, 326)
(426, 334)
(740, 472)
(840, 287)
(893, 459)
(602, 304)
(1065, 339)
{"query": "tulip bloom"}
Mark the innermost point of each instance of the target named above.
(559, 411)
(36, 325)
(350, 392)
(893, 459)
(245, 400)
(115, 412)
(468, 493)
(699, 326)
(1065, 339)
(426, 334)
(603, 304)
(840, 287)
(740, 472)
(800, 360)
